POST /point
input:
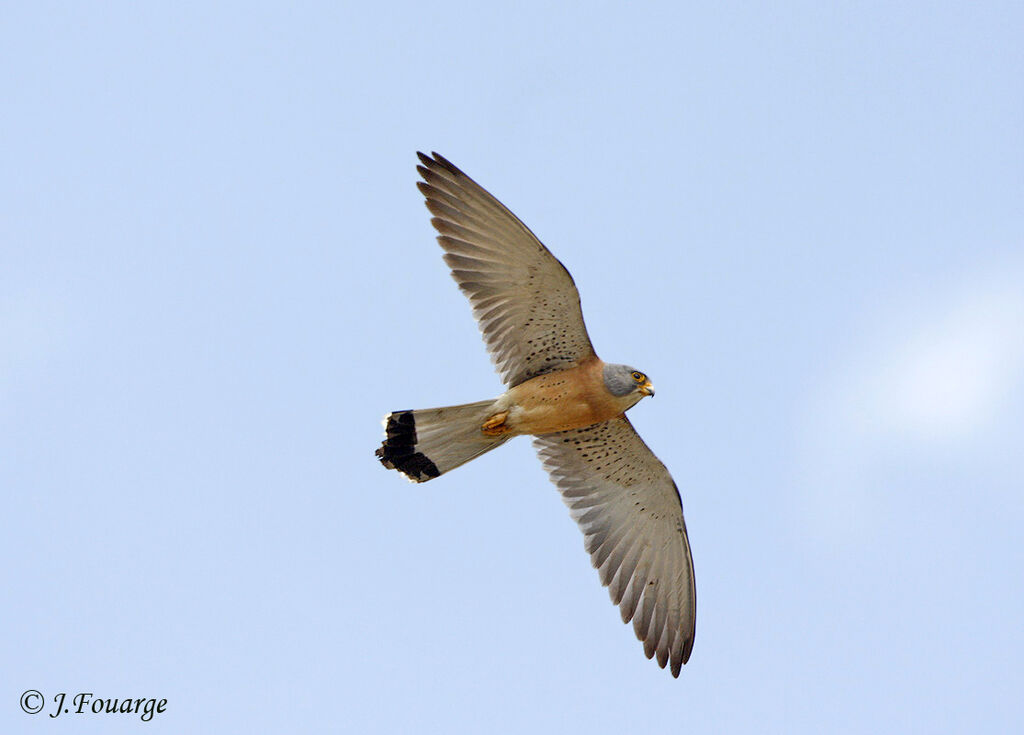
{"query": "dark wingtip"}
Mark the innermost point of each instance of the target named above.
(451, 167)
(398, 451)
(436, 162)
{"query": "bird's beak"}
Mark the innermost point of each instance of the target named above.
(647, 389)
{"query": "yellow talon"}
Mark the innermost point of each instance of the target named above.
(495, 425)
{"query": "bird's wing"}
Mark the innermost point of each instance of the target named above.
(524, 300)
(629, 510)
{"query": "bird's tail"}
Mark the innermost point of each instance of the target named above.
(431, 441)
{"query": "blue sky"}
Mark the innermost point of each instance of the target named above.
(804, 221)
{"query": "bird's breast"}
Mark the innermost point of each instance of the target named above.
(567, 399)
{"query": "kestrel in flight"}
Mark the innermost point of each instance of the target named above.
(563, 394)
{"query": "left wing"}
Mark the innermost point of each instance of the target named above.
(629, 510)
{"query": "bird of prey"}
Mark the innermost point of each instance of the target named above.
(571, 402)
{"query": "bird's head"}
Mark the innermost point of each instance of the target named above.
(626, 382)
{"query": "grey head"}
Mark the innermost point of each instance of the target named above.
(621, 380)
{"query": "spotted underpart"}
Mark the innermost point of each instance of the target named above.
(398, 452)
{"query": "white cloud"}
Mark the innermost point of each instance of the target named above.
(946, 378)
(926, 380)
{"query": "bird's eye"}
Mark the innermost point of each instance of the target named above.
(638, 377)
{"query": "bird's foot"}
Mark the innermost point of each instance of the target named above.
(495, 425)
